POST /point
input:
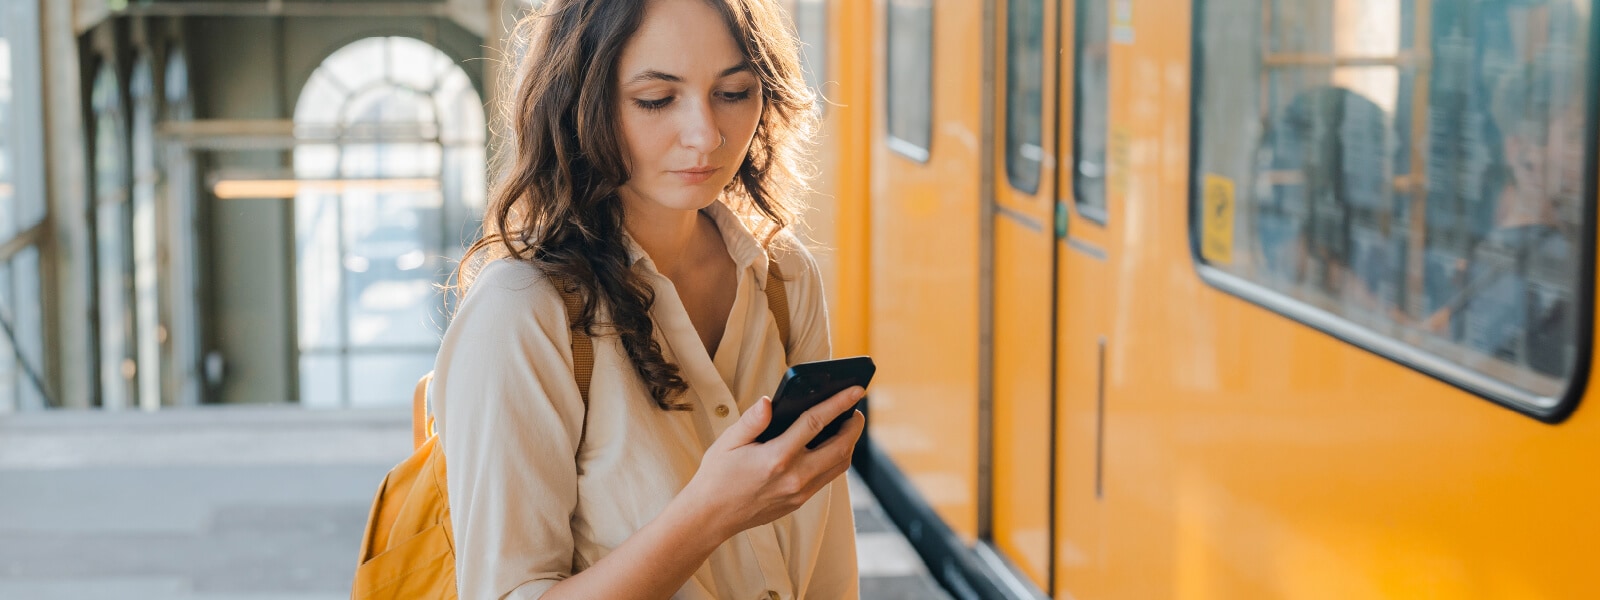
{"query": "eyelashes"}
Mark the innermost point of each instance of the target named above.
(653, 105)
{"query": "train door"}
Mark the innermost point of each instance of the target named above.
(1086, 243)
(1022, 274)
(926, 202)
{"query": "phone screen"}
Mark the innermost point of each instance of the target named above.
(808, 384)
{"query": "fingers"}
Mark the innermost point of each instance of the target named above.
(750, 424)
(845, 440)
(832, 457)
(814, 420)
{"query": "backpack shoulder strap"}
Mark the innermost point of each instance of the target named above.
(778, 301)
(582, 346)
(421, 423)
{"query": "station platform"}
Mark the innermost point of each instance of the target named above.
(241, 503)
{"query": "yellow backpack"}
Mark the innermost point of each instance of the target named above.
(408, 549)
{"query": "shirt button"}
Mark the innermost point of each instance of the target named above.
(722, 410)
(771, 595)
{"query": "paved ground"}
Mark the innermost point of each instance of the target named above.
(239, 503)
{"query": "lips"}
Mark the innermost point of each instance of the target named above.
(696, 174)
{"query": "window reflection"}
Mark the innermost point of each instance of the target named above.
(1091, 103)
(1413, 167)
(910, 72)
(1024, 91)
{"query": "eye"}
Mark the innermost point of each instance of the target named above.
(738, 96)
(653, 105)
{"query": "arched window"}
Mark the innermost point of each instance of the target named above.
(113, 227)
(391, 171)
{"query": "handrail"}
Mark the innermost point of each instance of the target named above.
(22, 361)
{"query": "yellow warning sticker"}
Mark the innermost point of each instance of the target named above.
(1216, 220)
(1119, 160)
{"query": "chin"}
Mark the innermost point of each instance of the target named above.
(686, 197)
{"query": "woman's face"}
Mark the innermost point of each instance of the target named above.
(689, 106)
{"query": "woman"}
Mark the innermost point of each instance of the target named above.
(651, 137)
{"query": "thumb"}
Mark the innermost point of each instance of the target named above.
(750, 424)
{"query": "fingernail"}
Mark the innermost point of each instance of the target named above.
(858, 393)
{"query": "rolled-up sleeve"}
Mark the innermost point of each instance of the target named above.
(809, 305)
(509, 417)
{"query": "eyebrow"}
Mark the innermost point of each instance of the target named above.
(654, 75)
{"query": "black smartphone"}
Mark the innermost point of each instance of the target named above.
(807, 384)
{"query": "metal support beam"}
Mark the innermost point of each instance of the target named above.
(279, 8)
(283, 134)
(69, 271)
(471, 15)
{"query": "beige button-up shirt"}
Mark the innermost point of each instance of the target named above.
(529, 508)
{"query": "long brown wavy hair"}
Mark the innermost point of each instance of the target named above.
(561, 161)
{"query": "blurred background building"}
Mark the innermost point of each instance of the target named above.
(235, 201)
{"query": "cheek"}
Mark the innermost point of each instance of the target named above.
(741, 119)
(641, 137)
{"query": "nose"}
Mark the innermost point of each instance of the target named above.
(699, 131)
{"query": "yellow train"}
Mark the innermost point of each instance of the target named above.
(1220, 299)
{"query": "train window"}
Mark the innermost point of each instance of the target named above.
(910, 72)
(810, 21)
(1024, 92)
(1409, 176)
(811, 26)
(1090, 106)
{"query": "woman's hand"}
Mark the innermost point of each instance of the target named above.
(742, 483)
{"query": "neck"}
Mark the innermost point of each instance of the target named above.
(670, 236)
